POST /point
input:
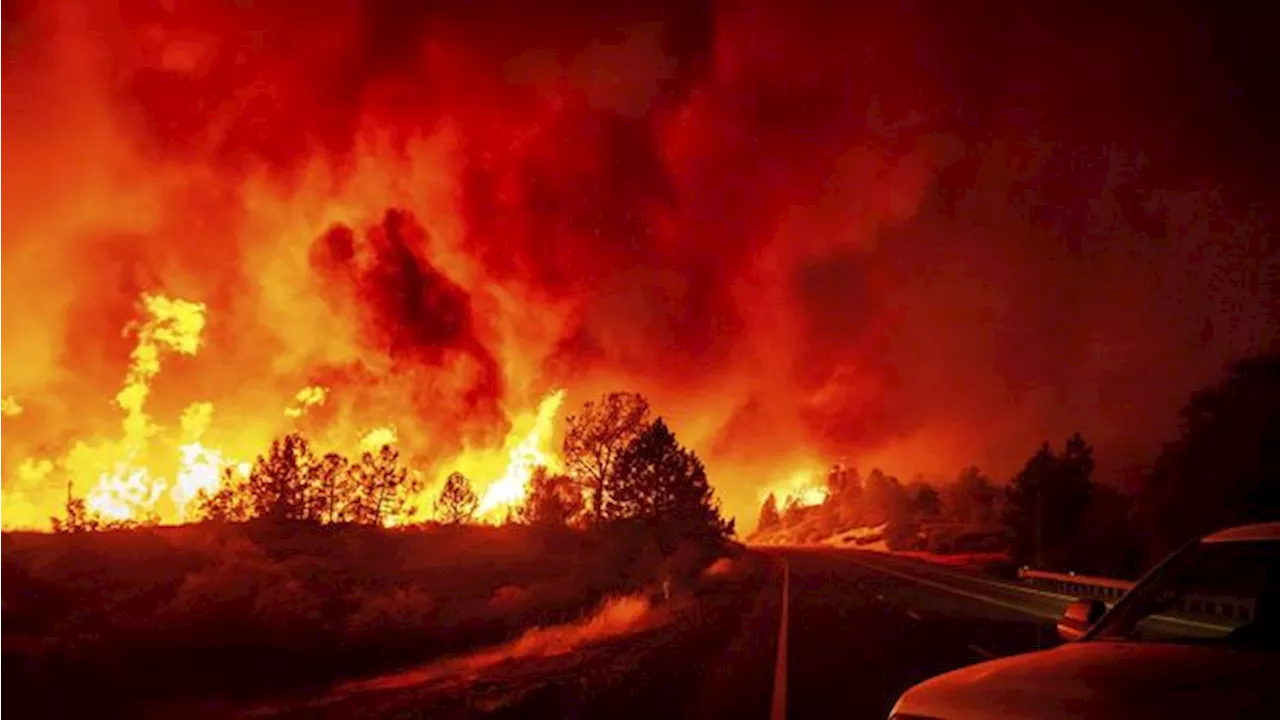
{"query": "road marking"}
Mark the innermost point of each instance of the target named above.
(1012, 606)
(778, 711)
(998, 584)
(879, 597)
(981, 651)
(957, 591)
(914, 615)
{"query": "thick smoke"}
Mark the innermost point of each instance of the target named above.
(893, 234)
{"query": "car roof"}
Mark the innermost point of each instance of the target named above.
(1246, 533)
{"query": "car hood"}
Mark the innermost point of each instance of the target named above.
(1103, 680)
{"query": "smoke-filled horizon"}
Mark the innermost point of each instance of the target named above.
(905, 237)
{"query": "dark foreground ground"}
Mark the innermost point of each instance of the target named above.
(862, 628)
(162, 622)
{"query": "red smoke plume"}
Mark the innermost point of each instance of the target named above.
(806, 231)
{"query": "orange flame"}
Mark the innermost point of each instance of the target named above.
(527, 445)
(9, 407)
(804, 487)
(124, 485)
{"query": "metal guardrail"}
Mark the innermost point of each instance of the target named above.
(1236, 610)
(1094, 586)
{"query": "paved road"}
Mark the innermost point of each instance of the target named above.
(861, 628)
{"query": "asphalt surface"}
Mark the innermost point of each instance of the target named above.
(861, 628)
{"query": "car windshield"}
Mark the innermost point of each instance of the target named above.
(1222, 593)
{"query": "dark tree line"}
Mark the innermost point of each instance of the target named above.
(629, 468)
(1223, 469)
(292, 483)
(1224, 466)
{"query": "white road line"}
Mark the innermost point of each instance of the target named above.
(957, 591)
(778, 711)
(1019, 608)
(1001, 585)
(980, 651)
(914, 615)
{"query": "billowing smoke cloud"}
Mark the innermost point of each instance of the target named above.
(906, 236)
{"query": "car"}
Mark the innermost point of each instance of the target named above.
(1197, 637)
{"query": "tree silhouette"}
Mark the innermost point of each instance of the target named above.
(381, 488)
(844, 496)
(666, 485)
(457, 502)
(280, 481)
(597, 436)
(925, 502)
(1046, 500)
(885, 498)
(231, 502)
(971, 498)
(551, 500)
(78, 518)
(1102, 539)
(333, 488)
(769, 517)
(1224, 468)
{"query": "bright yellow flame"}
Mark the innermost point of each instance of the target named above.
(377, 437)
(171, 324)
(9, 407)
(125, 493)
(307, 398)
(525, 451)
(126, 488)
(805, 487)
(153, 473)
(33, 470)
(200, 467)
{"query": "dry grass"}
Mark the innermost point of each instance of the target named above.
(135, 618)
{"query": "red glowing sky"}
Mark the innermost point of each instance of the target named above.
(927, 238)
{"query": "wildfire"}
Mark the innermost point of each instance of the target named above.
(803, 487)
(128, 489)
(526, 450)
(126, 479)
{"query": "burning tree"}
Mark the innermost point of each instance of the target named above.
(552, 500)
(279, 482)
(769, 517)
(597, 437)
(334, 485)
(80, 517)
(381, 488)
(457, 502)
(230, 503)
